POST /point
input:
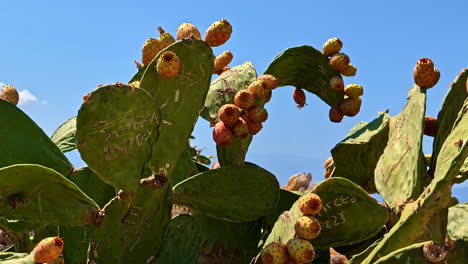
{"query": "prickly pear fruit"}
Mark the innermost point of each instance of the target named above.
(350, 106)
(269, 81)
(222, 134)
(339, 62)
(299, 97)
(149, 50)
(187, 30)
(310, 204)
(229, 114)
(335, 114)
(10, 94)
(290, 261)
(434, 252)
(240, 128)
(350, 71)
(275, 253)
(424, 73)
(257, 89)
(336, 83)
(168, 64)
(430, 126)
(328, 165)
(165, 39)
(353, 90)
(268, 94)
(254, 127)
(307, 227)
(218, 33)
(332, 46)
(257, 114)
(48, 249)
(220, 71)
(300, 250)
(222, 60)
(244, 99)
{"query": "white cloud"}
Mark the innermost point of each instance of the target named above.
(26, 98)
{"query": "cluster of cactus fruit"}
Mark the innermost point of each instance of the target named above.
(146, 196)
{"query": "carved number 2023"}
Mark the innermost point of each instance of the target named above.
(334, 220)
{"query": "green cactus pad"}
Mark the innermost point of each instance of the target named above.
(64, 135)
(286, 200)
(411, 254)
(357, 248)
(16, 258)
(18, 232)
(306, 68)
(133, 226)
(37, 194)
(92, 185)
(453, 102)
(180, 99)
(224, 88)
(23, 142)
(457, 220)
(185, 167)
(218, 193)
(116, 128)
(359, 258)
(348, 213)
(234, 153)
(227, 242)
(399, 169)
(366, 143)
(137, 77)
(182, 241)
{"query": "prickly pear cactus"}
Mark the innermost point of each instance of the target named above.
(64, 135)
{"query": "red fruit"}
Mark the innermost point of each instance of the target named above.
(299, 97)
(257, 114)
(240, 128)
(424, 73)
(335, 114)
(430, 126)
(222, 134)
(269, 81)
(48, 249)
(350, 106)
(339, 62)
(187, 30)
(254, 127)
(268, 94)
(244, 99)
(336, 83)
(229, 114)
(218, 33)
(10, 94)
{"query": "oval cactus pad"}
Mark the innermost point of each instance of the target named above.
(218, 193)
(37, 194)
(116, 128)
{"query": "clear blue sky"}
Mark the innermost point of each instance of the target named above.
(60, 50)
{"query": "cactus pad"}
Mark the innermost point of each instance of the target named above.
(64, 135)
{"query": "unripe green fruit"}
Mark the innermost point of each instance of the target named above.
(187, 30)
(300, 250)
(48, 249)
(339, 62)
(307, 227)
(269, 81)
(353, 90)
(257, 113)
(244, 99)
(168, 65)
(10, 94)
(218, 33)
(310, 204)
(275, 253)
(222, 134)
(350, 106)
(229, 114)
